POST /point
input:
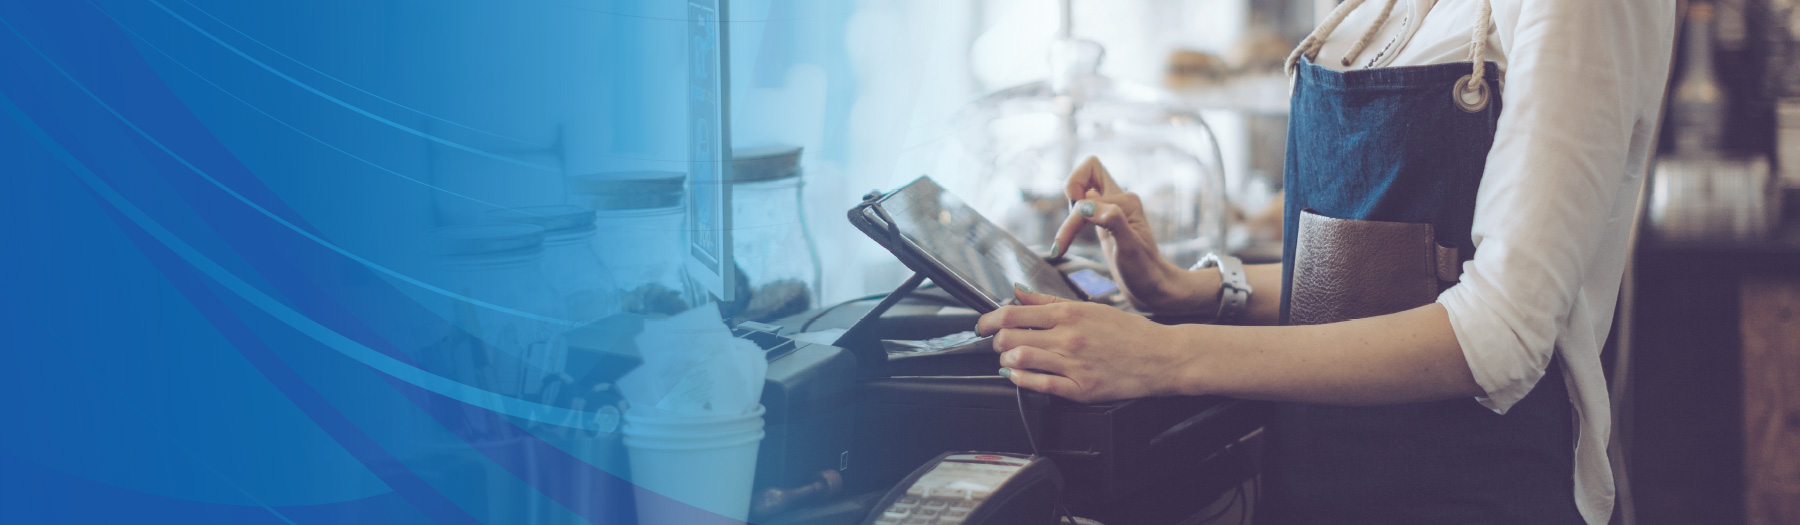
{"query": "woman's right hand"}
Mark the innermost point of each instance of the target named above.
(1151, 282)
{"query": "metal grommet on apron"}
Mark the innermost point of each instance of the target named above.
(1470, 93)
(1378, 159)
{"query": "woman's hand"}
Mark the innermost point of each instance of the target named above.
(1085, 352)
(1150, 282)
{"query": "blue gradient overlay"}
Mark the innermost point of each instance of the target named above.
(222, 298)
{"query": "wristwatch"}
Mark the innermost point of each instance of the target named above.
(1234, 287)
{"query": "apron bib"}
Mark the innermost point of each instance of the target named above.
(1382, 171)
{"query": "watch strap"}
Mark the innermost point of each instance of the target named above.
(1234, 287)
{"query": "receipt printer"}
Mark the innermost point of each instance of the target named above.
(809, 396)
(971, 488)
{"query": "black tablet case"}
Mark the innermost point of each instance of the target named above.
(885, 232)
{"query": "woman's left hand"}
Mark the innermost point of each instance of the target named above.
(1085, 352)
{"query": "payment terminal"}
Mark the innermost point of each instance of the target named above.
(914, 414)
(971, 488)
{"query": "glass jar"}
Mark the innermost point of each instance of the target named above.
(516, 331)
(571, 261)
(572, 265)
(1013, 151)
(774, 251)
(639, 236)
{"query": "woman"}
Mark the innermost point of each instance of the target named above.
(1449, 274)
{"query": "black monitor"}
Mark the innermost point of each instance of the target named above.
(709, 261)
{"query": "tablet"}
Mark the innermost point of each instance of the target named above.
(935, 234)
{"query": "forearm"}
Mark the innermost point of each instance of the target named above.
(1404, 357)
(1265, 298)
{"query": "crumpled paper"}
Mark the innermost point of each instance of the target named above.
(957, 342)
(693, 366)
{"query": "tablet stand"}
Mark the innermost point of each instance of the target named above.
(863, 338)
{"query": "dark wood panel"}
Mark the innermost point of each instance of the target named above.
(1686, 451)
(1771, 334)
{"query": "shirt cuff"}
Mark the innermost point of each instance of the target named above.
(1501, 364)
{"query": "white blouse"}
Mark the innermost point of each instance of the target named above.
(1583, 87)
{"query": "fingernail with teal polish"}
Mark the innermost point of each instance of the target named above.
(1086, 209)
(1023, 288)
(1056, 249)
(1006, 372)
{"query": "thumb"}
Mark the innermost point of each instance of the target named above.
(1029, 297)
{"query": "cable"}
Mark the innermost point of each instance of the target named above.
(822, 313)
(1244, 511)
(1240, 502)
(1019, 394)
(833, 308)
(1237, 502)
(1031, 439)
(1236, 498)
(1256, 493)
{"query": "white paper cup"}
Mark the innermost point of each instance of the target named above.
(708, 462)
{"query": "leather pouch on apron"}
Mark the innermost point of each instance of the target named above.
(1349, 269)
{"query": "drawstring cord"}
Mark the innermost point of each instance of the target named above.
(1310, 46)
(1369, 34)
(1478, 41)
(1476, 83)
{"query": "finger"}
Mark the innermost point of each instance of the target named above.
(1024, 295)
(1065, 234)
(1114, 213)
(1124, 199)
(1084, 212)
(1038, 317)
(1033, 358)
(1037, 299)
(1090, 174)
(1108, 215)
(1047, 383)
(1110, 210)
(1009, 338)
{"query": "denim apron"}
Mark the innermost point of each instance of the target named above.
(1404, 145)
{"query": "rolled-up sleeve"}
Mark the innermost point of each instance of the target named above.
(1573, 98)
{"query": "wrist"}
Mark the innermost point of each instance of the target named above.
(1195, 372)
(1193, 292)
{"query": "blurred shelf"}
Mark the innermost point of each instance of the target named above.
(1265, 94)
(1783, 241)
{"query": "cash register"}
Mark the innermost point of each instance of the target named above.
(851, 428)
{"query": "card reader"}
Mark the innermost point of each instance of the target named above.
(972, 488)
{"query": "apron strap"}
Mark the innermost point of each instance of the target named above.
(1447, 261)
(1356, 48)
(1310, 46)
(1470, 93)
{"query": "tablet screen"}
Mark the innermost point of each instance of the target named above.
(941, 227)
